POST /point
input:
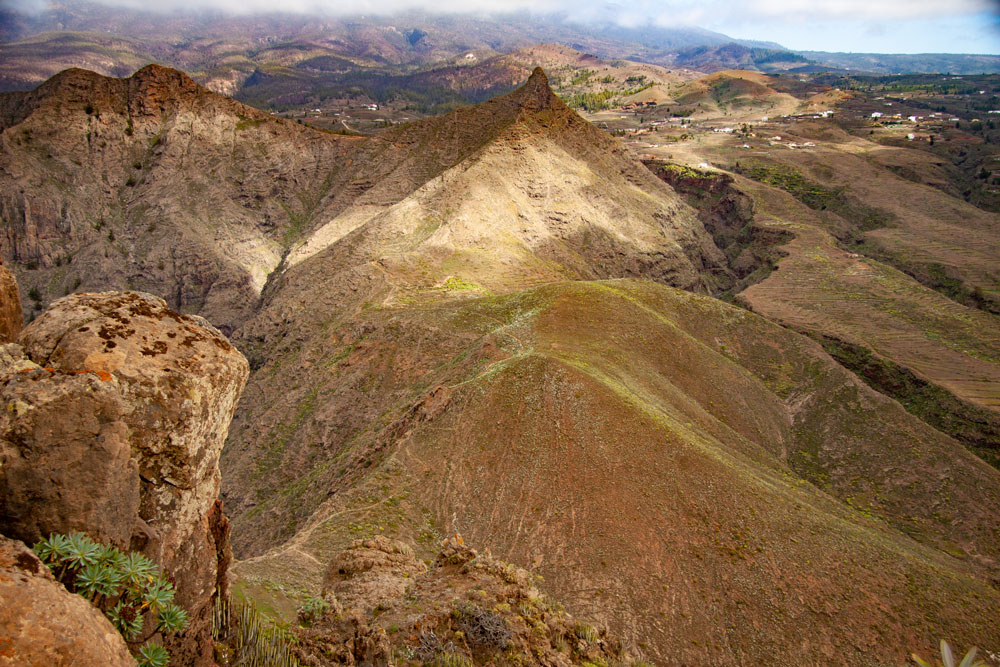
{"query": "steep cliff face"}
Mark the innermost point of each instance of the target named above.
(11, 317)
(152, 183)
(118, 408)
(44, 625)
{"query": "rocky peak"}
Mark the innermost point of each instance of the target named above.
(157, 86)
(152, 89)
(536, 95)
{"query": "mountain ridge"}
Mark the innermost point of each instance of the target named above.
(473, 324)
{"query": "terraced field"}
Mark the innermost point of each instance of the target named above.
(831, 285)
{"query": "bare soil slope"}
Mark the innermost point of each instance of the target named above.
(704, 481)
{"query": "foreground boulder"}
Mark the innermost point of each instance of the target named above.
(44, 625)
(117, 409)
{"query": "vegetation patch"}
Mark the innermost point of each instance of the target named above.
(244, 637)
(247, 123)
(813, 195)
(128, 588)
(976, 427)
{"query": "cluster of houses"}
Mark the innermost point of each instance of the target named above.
(898, 118)
(637, 106)
(826, 113)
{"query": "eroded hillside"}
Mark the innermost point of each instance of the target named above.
(498, 323)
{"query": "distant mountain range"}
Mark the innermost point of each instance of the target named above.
(223, 52)
(909, 63)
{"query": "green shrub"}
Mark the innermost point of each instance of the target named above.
(128, 588)
(587, 632)
(312, 610)
(485, 628)
(153, 655)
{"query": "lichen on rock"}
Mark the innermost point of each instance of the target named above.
(116, 409)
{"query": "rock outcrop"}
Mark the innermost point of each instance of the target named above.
(11, 317)
(117, 410)
(383, 607)
(44, 625)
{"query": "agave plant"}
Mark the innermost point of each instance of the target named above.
(137, 570)
(948, 658)
(127, 619)
(52, 549)
(97, 579)
(128, 588)
(158, 595)
(109, 556)
(80, 552)
(173, 618)
(153, 655)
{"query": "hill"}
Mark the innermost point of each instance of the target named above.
(426, 391)
(738, 91)
(152, 183)
(739, 56)
(497, 322)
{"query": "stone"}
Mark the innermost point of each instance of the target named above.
(114, 418)
(65, 459)
(11, 317)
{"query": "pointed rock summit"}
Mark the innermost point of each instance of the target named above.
(536, 95)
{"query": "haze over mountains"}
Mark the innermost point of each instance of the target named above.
(224, 52)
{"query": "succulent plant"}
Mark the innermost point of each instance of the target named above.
(152, 655)
(128, 588)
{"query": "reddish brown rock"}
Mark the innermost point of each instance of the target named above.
(371, 572)
(65, 459)
(44, 625)
(11, 317)
(466, 608)
(116, 416)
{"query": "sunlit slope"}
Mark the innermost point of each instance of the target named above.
(648, 450)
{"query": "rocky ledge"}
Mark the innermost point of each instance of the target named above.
(116, 411)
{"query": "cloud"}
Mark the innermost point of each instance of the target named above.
(689, 12)
(955, 26)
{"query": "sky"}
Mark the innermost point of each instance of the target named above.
(881, 26)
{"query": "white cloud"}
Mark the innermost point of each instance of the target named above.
(662, 11)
